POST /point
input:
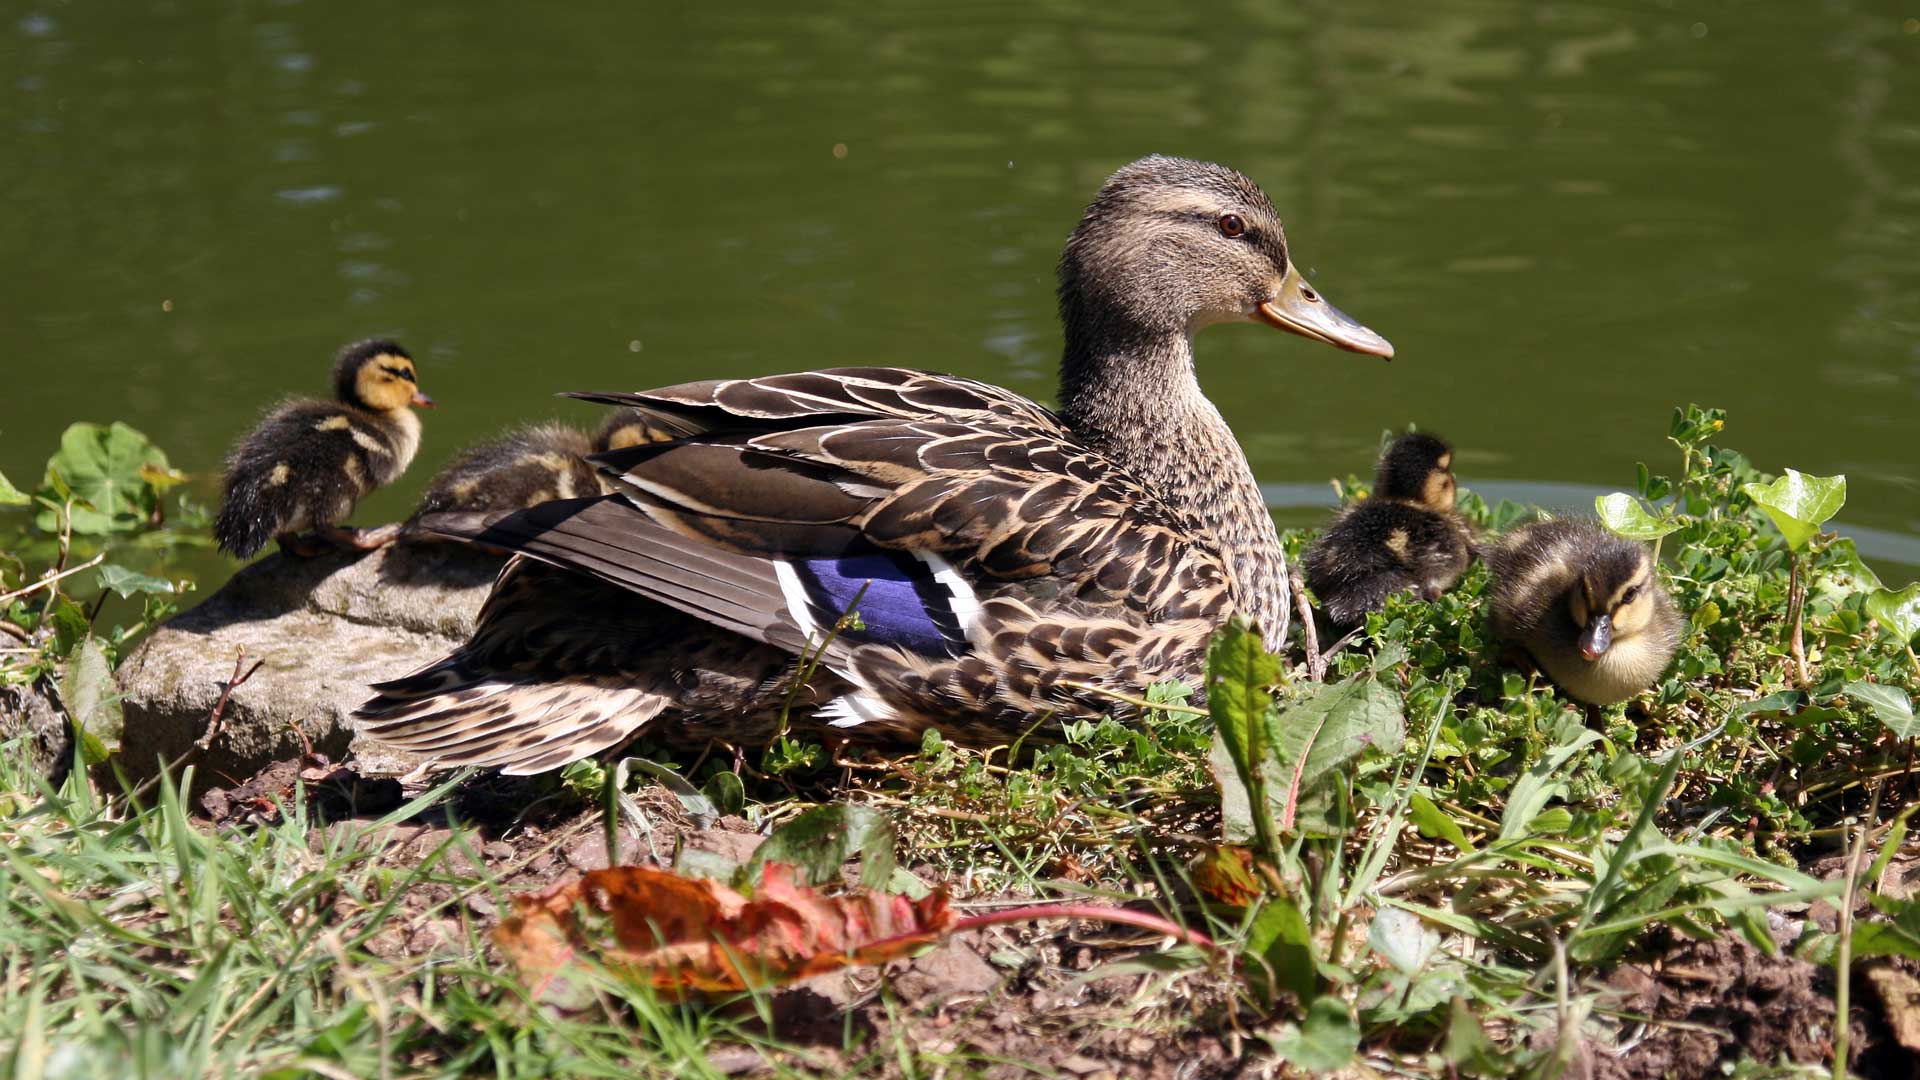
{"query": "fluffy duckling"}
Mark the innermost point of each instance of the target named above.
(1587, 605)
(310, 461)
(1406, 536)
(522, 468)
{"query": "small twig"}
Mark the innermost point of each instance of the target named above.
(1126, 916)
(219, 710)
(1316, 664)
(1333, 650)
(19, 632)
(51, 578)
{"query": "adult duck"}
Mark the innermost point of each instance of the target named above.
(1002, 563)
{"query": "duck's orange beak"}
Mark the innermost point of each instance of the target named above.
(422, 401)
(1300, 309)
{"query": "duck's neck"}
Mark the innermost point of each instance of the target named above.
(1138, 402)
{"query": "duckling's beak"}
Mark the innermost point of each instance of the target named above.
(421, 401)
(1302, 310)
(1597, 637)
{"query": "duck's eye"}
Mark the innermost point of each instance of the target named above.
(1628, 596)
(1232, 227)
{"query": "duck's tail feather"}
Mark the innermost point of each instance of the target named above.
(457, 713)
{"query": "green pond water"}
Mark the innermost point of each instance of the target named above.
(1568, 217)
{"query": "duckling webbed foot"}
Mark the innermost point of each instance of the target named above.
(351, 539)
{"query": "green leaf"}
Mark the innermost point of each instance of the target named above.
(1623, 514)
(1889, 703)
(1899, 611)
(127, 582)
(1799, 504)
(817, 842)
(1325, 1041)
(1403, 939)
(12, 496)
(1322, 734)
(1280, 950)
(729, 795)
(102, 468)
(1540, 784)
(92, 704)
(1434, 823)
(1898, 937)
(1240, 677)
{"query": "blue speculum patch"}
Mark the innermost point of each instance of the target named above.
(902, 604)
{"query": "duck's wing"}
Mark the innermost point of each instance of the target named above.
(813, 398)
(944, 566)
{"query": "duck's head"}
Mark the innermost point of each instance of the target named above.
(1614, 599)
(1170, 245)
(378, 375)
(1417, 467)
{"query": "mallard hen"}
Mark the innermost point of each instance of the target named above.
(1587, 605)
(308, 462)
(1405, 535)
(1005, 562)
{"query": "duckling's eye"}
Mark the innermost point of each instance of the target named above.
(1627, 597)
(399, 373)
(1231, 226)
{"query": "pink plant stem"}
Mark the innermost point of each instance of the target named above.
(1088, 911)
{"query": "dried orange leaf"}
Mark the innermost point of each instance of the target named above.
(681, 934)
(1225, 873)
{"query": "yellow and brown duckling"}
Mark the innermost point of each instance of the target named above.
(1587, 605)
(1405, 536)
(524, 467)
(298, 474)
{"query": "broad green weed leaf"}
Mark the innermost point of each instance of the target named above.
(1899, 611)
(1889, 703)
(1325, 1041)
(1623, 514)
(817, 842)
(1541, 784)
(1434, 823)
(1280, 947)
(1240, 677)
(87, 693)
(1799, 504)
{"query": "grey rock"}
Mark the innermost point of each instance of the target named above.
(323, 630)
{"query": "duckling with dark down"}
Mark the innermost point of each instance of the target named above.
(1587, 605)
(530, 465)
(1007, 562)
(1406, 535)
(306, 465)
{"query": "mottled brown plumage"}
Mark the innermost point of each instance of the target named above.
(522, 468)
(1002, 559)
(308, 462)
(1406, 535)
(1587, 605)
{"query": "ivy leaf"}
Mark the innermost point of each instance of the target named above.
(1799, 504)
(1624, 516)
(12, 496)
(127, 582)
(817, 842)
(1899, 611)
(1888, 703)
(101, 467)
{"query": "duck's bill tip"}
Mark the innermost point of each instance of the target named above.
(422, 401)
(1300, 310)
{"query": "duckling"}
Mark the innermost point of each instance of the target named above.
(522, 468)
(310, 461)
(1406, 536)
(1587, 605)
